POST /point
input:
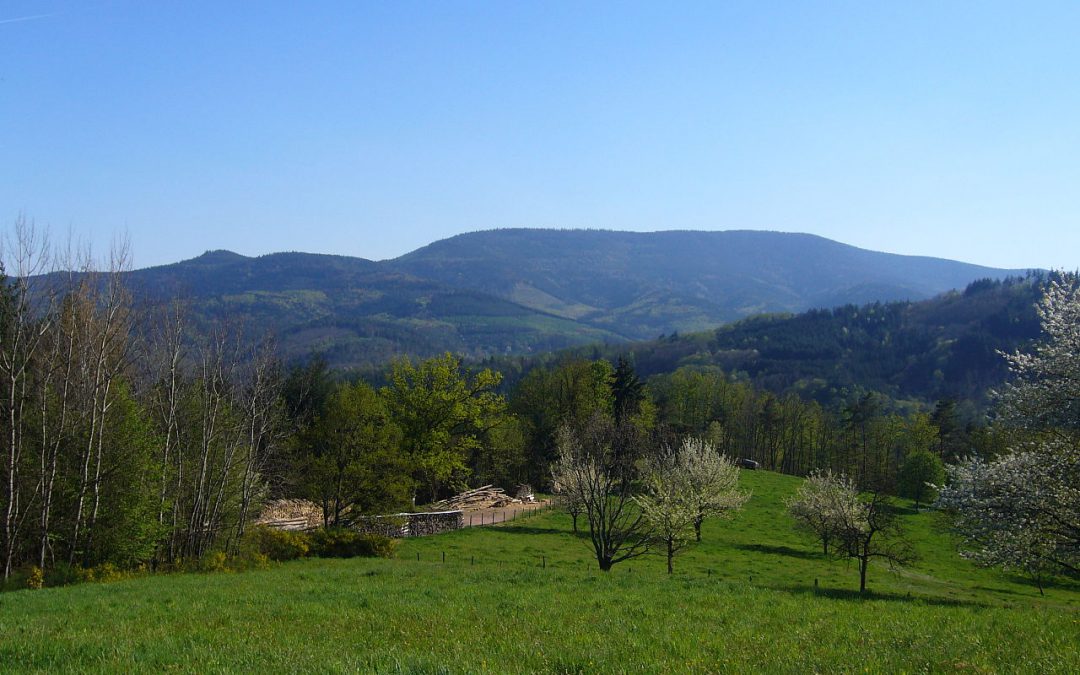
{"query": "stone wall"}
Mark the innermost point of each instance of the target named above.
(412, 524)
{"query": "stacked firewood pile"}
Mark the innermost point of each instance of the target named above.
(291, 514)
(487, 497)
(525, 494)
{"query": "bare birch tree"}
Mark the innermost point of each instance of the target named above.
(25, 255)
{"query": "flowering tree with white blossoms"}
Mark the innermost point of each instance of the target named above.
(665, 505)
(1022, 510)
(825, 505)
(711, 481)
(682, 487)
(858, 527)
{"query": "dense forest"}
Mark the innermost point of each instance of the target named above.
(947, 347)
(133, 437)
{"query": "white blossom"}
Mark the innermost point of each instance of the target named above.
(1022, 510)
(828, 505)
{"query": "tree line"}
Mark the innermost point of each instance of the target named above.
(132, 439)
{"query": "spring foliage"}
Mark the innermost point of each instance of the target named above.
(1022, 510)
(825, 505)
(682, 487)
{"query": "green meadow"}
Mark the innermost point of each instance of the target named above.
(754, 596)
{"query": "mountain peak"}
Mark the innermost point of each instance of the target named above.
(219, 255)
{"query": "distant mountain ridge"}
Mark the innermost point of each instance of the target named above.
(524, 291)
(354, 311)
(641, 284)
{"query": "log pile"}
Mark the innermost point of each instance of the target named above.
(487, 497)
(291, 514)
(525, 494)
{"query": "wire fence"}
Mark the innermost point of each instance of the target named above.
(506, 514)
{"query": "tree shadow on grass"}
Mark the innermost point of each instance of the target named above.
(851, 594)
(526, 529)
(780, 550)
(1061, 582)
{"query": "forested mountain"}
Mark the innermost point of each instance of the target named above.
(529, 291)
(945, 347)
(643, 284)
(354, 311)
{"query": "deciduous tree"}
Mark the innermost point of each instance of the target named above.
(872, 531)
(711, 481)
(443, 415)
(1022, 510)
(666, 502)
(597, 465)
(824, 505)
(355, 463)
(921, 471)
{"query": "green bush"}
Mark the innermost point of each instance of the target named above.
(280, 545)
(266, 543)
(343, 543)
(64, 574)
(216, 561)
(36, 579)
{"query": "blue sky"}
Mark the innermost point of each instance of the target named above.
(369, 129)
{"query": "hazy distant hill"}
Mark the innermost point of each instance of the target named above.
(643, 284)
(526, 291)
(355, 311)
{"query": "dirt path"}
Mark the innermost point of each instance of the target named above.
(504, 514)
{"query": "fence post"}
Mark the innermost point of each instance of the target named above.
(444, 557)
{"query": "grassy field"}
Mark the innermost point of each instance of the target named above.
(526, 597)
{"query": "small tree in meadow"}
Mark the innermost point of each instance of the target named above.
(570, 495)
(847, 525)
(597, 467)
(873, 531)
(919, 473)
(666, 503)
(824, 505)
(710, 481)
(681, 487)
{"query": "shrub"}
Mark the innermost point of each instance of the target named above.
(343, 543)
(214, 562)
(280, 545)
(381, 546)
(64, 574)
(107, 571)
(36, 579)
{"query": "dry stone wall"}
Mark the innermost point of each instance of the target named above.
(412, 524)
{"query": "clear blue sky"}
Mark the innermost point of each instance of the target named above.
(369, 129)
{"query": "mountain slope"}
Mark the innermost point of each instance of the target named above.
(946, 347)
(528, 291)
(354, 311)
(642, 284)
